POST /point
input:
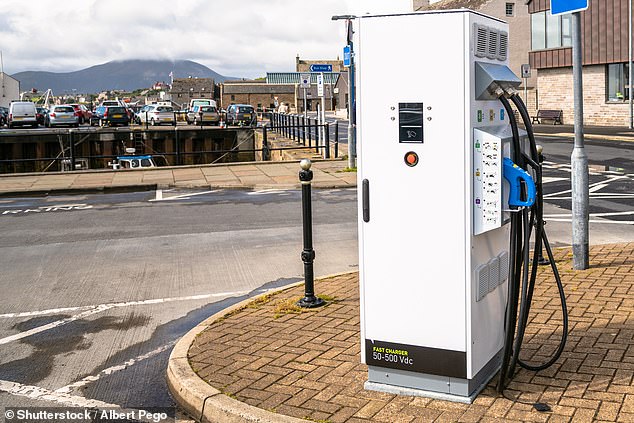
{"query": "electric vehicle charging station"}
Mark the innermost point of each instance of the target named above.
(434, 151)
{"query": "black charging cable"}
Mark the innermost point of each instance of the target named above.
(522, 226)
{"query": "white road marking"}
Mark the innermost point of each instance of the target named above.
(124, 304)
(37, 393)
(110, 370)
(616, 178)
(53, 325)
(611, 222)
(548, 179)
(159, 195)
(625, 213)
(104, 307)
(183, 196)
(267, 191)
(44, 209)
(597, 187)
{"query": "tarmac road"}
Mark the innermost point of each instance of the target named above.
(97, 288)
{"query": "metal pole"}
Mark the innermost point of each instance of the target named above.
(579, 159)
(305, 103)
(177, 145)
(265, 144)
(327, 139)
(303, 130)
(629, 64)
(336, 140)
(310, 134)
(352, 119)
(308, 254)
(71, 139)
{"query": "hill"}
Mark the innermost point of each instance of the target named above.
(116, 75)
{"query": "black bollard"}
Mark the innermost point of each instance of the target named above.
(308, 254)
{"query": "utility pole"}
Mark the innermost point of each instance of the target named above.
(579, 159)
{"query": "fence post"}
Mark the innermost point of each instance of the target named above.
(317, 134)
(303, 130)
(327, 139)
(336, 139)
(310, 134)
(265, 145)
(71, 140)
(308, 254)
(177, 143)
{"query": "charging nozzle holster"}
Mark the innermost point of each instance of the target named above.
(515, 175)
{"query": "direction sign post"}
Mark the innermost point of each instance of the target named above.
(558, 7)
(305, 84)
(321, 68)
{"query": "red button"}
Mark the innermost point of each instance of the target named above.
(411, 159)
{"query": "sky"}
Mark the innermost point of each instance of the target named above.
(240, 38)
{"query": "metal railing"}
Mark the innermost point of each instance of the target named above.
(307, 131)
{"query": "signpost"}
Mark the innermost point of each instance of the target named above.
(305, 84)
(346, 56)
(322, 117)
(321, 68)
(526, 73)
(579, 158)
(559, 7)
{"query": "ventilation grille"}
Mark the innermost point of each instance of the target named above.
(494, 273)
(503, 47)
(490, 43)
(482, 277)
(504, 266)
(481, 41)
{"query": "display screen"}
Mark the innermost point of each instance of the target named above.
(410, 122)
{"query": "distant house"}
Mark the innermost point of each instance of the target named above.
(9, 89)
(604, 48)
(260, 94)
(185, 89)
(513, 12)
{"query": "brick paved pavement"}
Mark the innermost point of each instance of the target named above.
(307, 365)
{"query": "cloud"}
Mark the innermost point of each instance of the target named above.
(243, 38)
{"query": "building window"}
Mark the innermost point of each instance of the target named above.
(548, 31)
(510, 9)
(233, 97)
(617, 86)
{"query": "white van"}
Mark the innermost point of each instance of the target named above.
(201, 102)
(22, 113)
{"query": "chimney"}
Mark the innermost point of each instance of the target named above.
(419, 5)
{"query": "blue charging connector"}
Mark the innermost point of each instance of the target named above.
(515, 174)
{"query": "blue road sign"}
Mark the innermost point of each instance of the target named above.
(346, 56)
(321, 68)
(559, 7)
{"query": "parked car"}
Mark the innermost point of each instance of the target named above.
(110, 116)
(41, 115)
(241, 114)
(61, 115)
(82, 112)
(4, 115)
(157, 115)
(203, 115)
(22, 113)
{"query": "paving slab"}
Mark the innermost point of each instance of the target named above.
(305, 364)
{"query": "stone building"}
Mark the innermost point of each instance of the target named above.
(605, 35)
(185, 89)
(515, 13)
(260, 94)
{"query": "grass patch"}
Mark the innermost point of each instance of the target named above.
(287, 306)
(259, 302)
(347, 169)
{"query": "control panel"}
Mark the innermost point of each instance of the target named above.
(487, 181)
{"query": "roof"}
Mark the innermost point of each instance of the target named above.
(261, 88)
(458, 4)
(295, 77)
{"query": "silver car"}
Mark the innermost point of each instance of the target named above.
(157, 115)
(61, 115)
